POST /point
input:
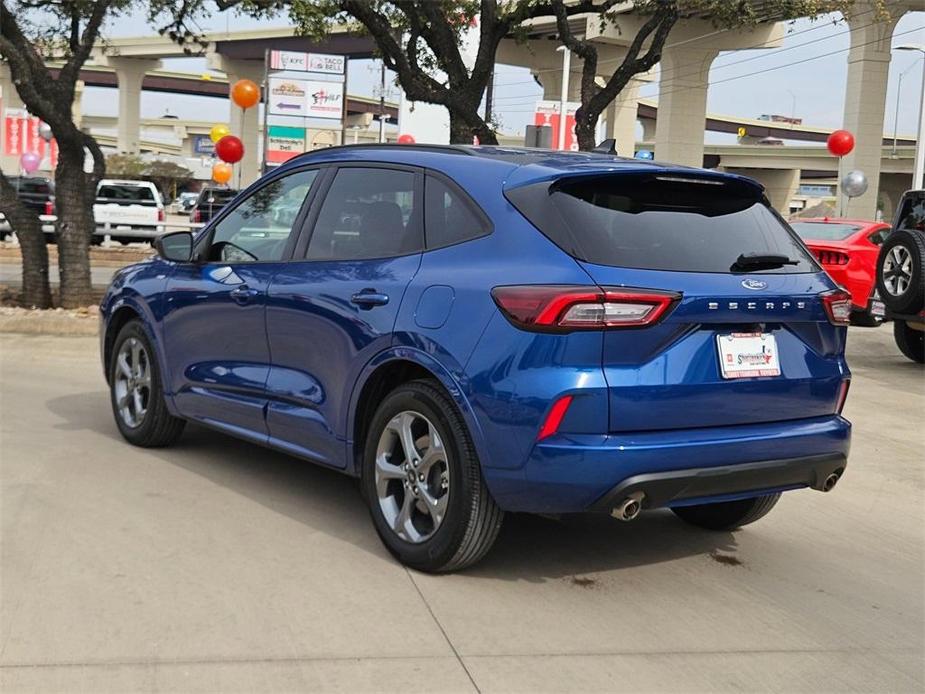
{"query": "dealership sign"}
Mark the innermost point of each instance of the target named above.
(547, 113)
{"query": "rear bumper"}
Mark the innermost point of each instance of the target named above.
(680, 487)
(572, 473)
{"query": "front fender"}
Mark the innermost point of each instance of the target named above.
(456, 387)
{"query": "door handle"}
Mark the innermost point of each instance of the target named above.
(368, 298)
(243, 294)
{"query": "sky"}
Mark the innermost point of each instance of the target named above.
(805, 76)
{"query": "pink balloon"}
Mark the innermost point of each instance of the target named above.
(29, 162)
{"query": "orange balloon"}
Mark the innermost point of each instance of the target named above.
(245, 93)
(221, 172)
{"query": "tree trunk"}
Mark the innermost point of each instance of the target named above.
(585, 127)
(75, 210)
(35, 288)
(464, 127)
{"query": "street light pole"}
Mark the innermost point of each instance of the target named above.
(563, 98)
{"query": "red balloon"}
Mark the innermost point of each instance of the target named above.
(840, 143)
(406, 139)
(230, 149)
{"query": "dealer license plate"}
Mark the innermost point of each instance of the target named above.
(748, 355)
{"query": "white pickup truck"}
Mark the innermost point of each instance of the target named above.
(128, 211)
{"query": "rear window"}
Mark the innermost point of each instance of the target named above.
(660, 222)
(218, 196)
(824, 231)
(31, 186)
(137, 194)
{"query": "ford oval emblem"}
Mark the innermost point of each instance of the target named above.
(754, 284)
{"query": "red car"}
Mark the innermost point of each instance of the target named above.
(848, 250)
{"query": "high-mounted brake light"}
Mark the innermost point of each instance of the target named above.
(563, 308)
(837, 305)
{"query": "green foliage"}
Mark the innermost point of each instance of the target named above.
(166, 175)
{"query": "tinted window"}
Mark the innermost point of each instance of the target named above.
(879, 236)
(824, 231)
(31, 186)
(216, 196)
(448, 218)
(911, 212)
(367, 213)
(260, 225)
(127, 193)
(660, 222)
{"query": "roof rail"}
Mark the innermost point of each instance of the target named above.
(437, 149)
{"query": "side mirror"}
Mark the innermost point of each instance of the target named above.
(176, 246)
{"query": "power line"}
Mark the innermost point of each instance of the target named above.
(769, 54)
(773, 68)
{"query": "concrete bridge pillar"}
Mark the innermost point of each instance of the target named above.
(865, 101)
(621, 118)
(244, 124)
(130, 73)
(682, 104)
(780, 185)
(648, 129)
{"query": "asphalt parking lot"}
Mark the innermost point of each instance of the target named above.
(219, 566)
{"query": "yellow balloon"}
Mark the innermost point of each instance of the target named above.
(218, 132)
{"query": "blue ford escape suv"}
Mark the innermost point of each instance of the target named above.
(474, 330)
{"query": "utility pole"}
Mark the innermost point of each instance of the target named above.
(489, 94)
(382, 104)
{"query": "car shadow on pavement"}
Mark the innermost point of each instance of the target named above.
(530, 548)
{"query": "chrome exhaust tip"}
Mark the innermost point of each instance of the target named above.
(830, 482)
(629, 508)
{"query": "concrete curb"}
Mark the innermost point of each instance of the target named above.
(49, 323)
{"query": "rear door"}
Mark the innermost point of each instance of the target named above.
(746, 342)
(331, 311)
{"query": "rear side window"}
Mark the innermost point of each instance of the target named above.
(367, 213)
(660, 222)
(448, 217)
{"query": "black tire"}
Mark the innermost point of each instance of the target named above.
(909, 300)
(910, 342)
(157, 427)
(727, 515)
(471, 520)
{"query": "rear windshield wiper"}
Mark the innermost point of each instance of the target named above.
(761, 261)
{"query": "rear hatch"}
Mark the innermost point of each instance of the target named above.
(748, 341)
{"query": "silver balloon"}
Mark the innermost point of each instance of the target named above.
(45, 132)
(854, 184)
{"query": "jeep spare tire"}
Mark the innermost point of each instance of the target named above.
(901, 271)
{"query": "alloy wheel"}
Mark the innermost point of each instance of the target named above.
(132, 385)
(897, 270)
(412, 476)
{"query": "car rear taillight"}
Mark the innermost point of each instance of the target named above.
(832, 257)
(842, 395)
(196, 217)
(160, 215)
(562, 308)
(49, 207)
(837, 305)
